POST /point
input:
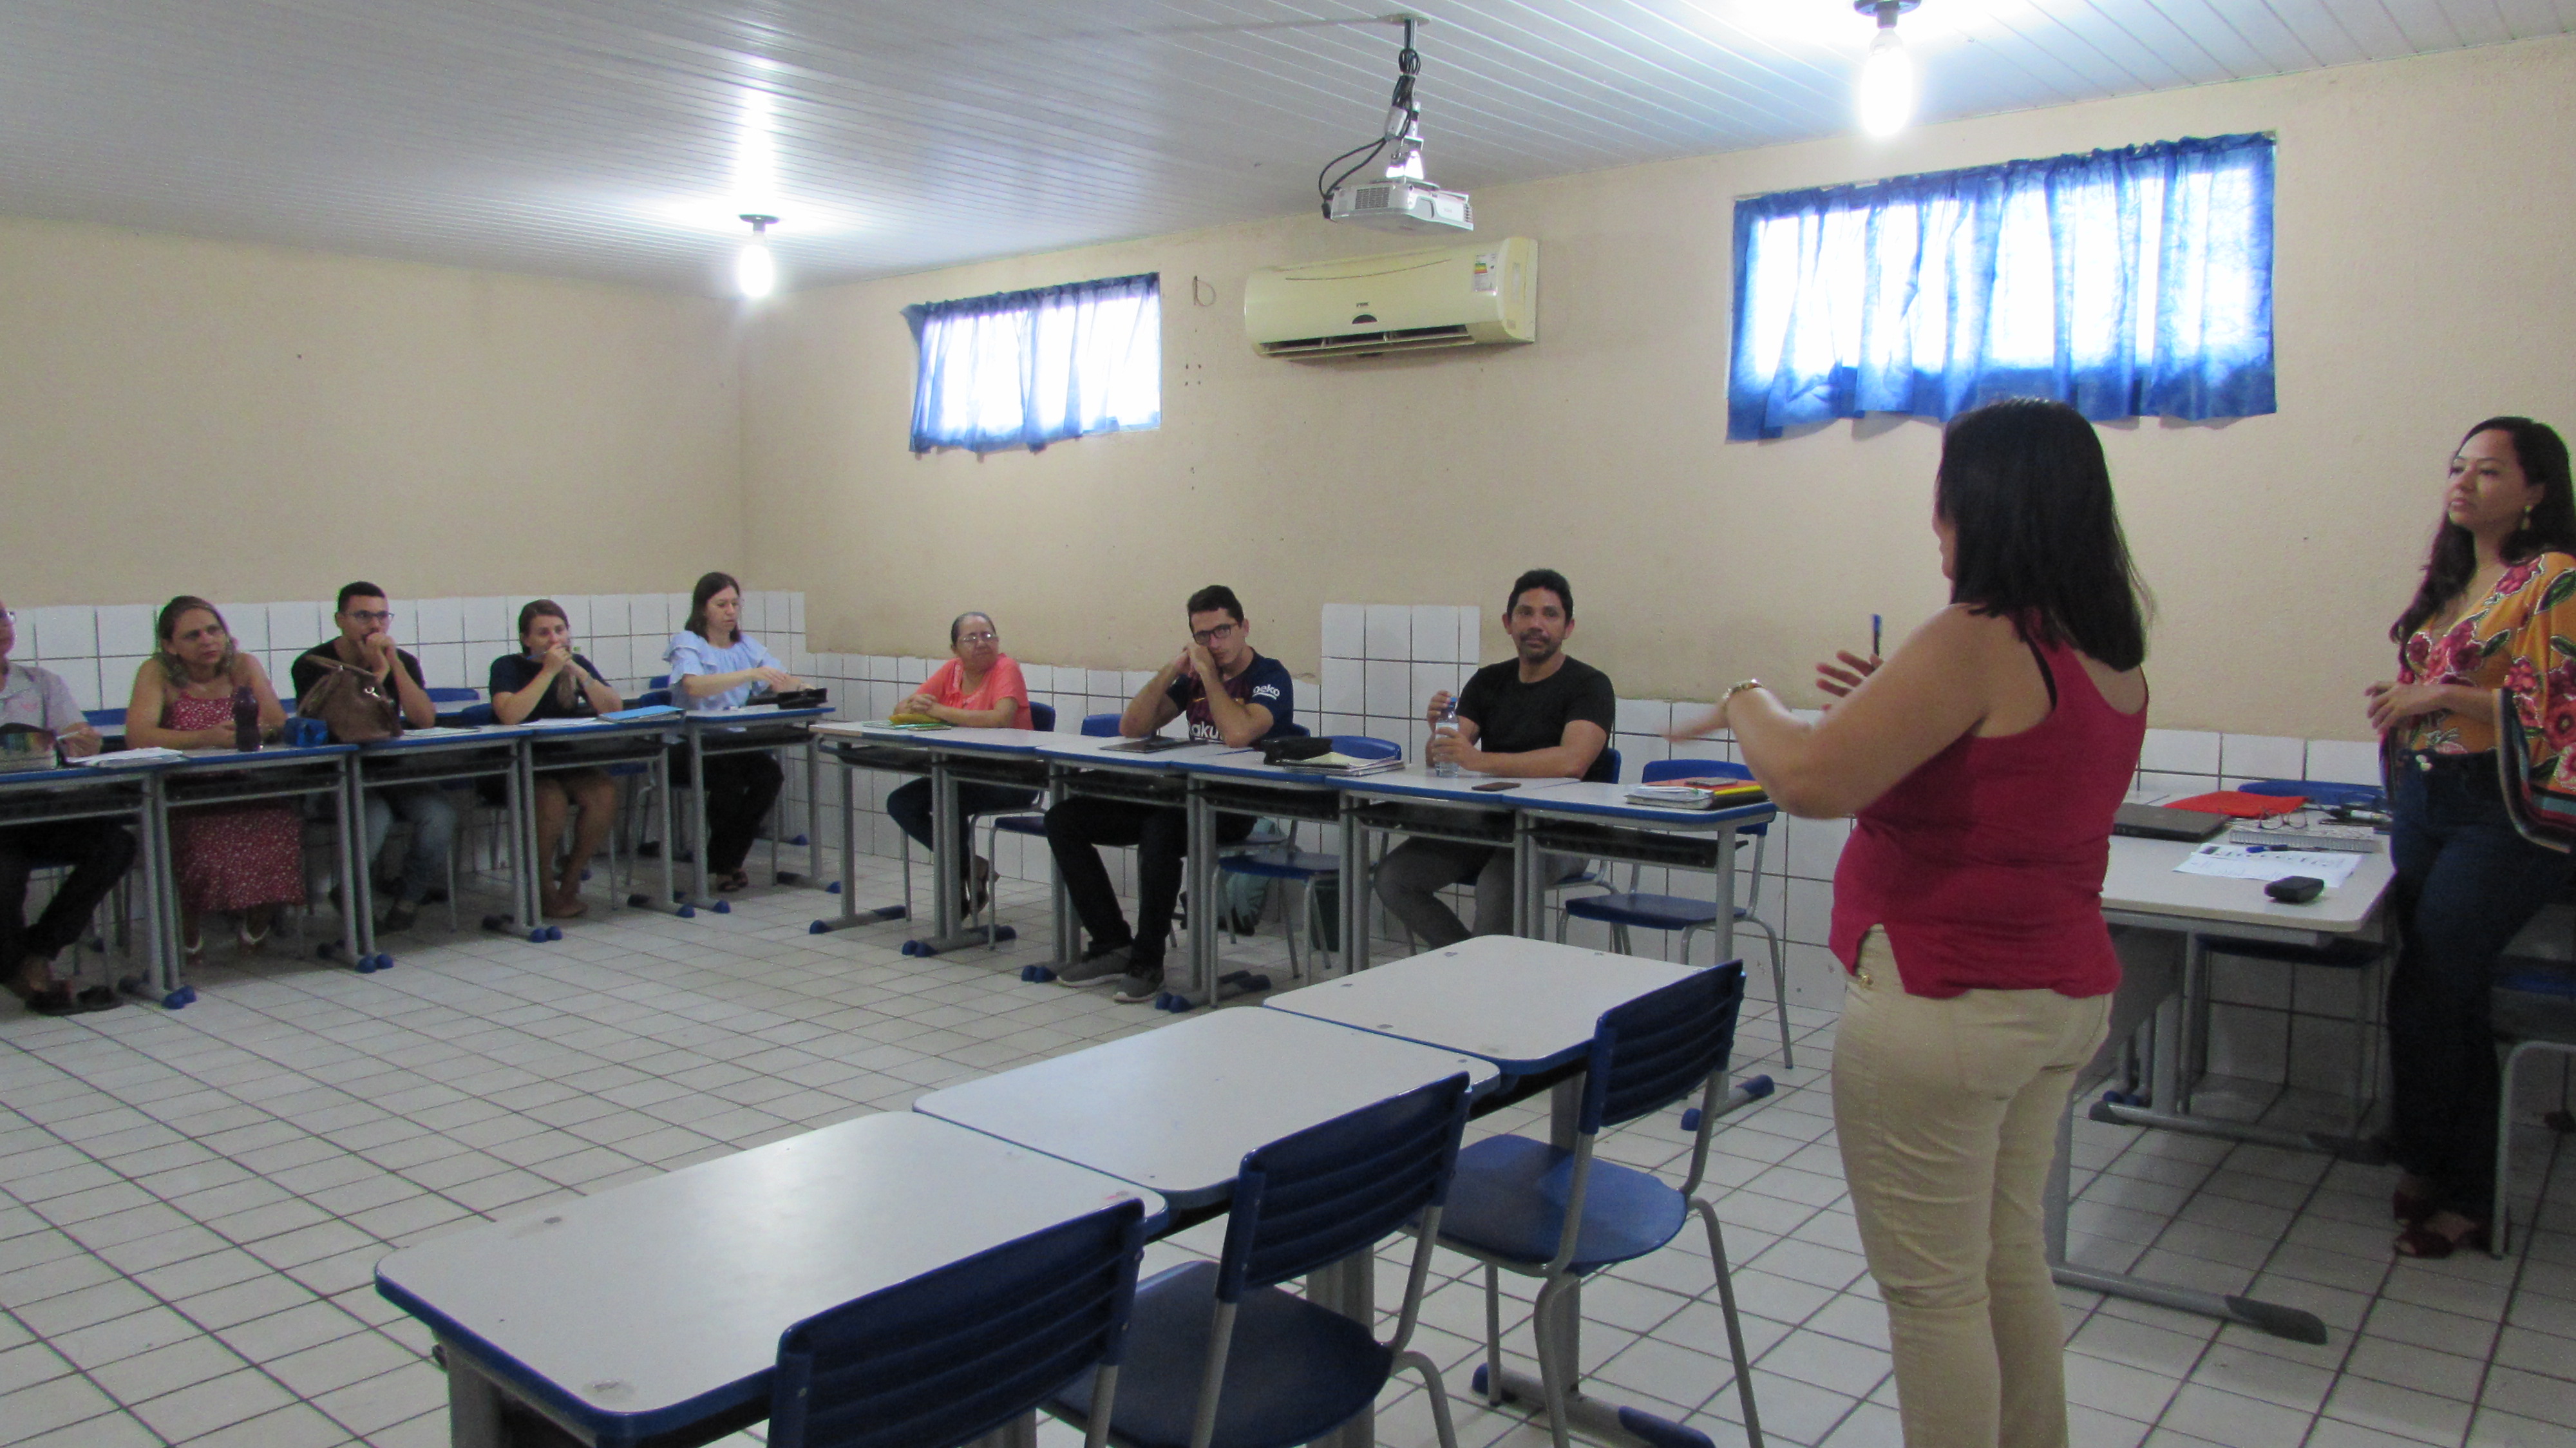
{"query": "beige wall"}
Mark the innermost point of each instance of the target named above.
(2426, 229)
(239, 421)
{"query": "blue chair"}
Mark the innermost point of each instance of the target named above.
(2534, 1009)
(1284, 861)
(1094, 726)
(1541, 1211)
(1041, 719)
(1625, 909)
(449, 703)
(1219, 1357)
(954, 1354)
(2359, 956)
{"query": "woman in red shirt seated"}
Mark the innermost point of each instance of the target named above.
(981, 688)
(1984, 762)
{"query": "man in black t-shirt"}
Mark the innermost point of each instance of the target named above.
(1538, 715)
(1253, 699)
(366, 641)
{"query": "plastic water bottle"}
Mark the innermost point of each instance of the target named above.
(245, 719)
(1446, 726)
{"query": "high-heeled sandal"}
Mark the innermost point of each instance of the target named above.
(193, 952)
(249, 940)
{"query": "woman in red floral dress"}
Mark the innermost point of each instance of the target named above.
(2497, 610)
(243, 860)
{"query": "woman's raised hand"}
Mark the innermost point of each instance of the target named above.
(1840, 680)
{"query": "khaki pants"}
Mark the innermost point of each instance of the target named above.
(1947, 1113)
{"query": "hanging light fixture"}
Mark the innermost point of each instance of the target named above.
(755, 271)
(1887, 82)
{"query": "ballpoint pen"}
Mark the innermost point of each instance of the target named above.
(1873, 635)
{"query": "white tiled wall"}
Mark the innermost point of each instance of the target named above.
(98, 648)
(1381, 664)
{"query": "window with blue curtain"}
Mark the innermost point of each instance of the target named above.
(1024, 369)
(2127, 283)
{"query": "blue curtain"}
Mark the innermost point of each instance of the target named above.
(2127, 283)
(1024, 369)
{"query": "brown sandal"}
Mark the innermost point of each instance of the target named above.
(2424, 1244)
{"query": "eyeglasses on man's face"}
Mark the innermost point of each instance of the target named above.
(369, 616)
(1208, 638)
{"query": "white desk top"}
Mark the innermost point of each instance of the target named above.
(1177, 1108)
(659, 1292)
(1416, 781)
(1575, 799)
(1525, 1005)
(1095, 750)
(2142, 881)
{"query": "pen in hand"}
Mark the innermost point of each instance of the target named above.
(1873, 636)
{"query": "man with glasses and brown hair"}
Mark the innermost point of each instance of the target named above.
(1252, 697)
(366, 642)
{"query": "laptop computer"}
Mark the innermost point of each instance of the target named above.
(2155, 822)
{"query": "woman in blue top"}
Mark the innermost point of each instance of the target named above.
(713, 666)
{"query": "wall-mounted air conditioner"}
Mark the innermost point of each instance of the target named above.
(1398, 301)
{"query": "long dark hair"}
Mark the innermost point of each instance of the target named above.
(708, 587)
(2024, 485)
(2550, 528)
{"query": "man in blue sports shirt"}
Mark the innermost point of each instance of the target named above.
(1252, 700)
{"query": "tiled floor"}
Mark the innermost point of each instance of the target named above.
(191, 1203)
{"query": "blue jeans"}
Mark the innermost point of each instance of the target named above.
(432, 817)
(2466, 885)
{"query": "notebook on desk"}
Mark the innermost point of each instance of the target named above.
(2157, 822)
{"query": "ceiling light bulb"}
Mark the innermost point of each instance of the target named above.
(1886, 85)
(756, 271)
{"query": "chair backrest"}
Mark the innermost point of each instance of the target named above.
(1339, 1187)
(1662, 1046)
(658, 681)
(951, 1355)
(105, 721)
(2320, 792)
(1611, 753)
(1101, 726)
(454, 696)
(1042, 717)
(1366, 746)
(475, 714)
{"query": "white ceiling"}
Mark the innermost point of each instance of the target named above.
(617, 139)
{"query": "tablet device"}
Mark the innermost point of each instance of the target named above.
(2156, 822)
(1150, 744)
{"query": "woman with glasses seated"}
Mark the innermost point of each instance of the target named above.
(547, 680)
(243, 860)
(714, 665)
(981, 688)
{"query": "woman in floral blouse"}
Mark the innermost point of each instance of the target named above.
(2497, 610)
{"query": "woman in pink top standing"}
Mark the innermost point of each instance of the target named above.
(981, 688)
(1984, 762)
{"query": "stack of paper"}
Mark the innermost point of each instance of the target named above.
(152, 755)
(1338, 763)
(1697, 793)
(2359, 839)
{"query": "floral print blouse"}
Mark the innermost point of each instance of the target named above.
(2521, 636)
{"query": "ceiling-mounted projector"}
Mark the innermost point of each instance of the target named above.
(1403, 201)
(1402, 204)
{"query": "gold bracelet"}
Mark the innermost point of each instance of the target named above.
(1737, 688)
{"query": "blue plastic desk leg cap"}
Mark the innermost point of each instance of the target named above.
(688, 912)
(1690, 1119)
(554, 932)
(2124, 1098)
(537, 935)
(833, 888)
(818, 928)
(724, 907)
(798, 842)
(1662, 1432)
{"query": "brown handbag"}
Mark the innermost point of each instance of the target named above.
(353, 703)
